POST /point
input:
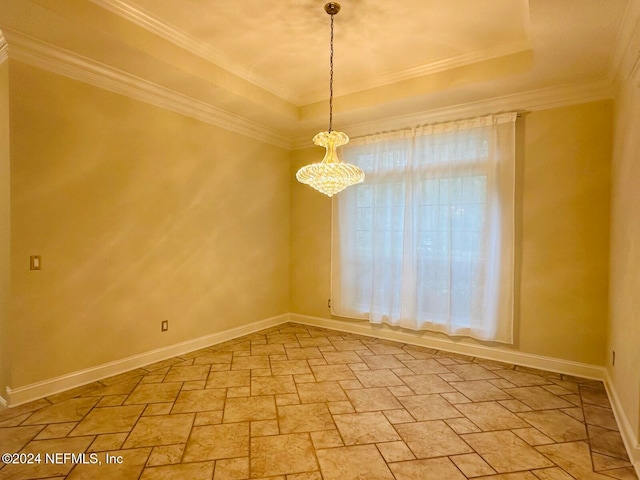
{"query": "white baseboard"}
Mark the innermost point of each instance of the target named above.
(492, 353)
(626, 431)
(45, 388)
(426, 340)
(34, 391)
(55, 385)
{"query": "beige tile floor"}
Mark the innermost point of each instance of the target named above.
(302, 403)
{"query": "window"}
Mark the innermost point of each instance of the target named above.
(427, 241)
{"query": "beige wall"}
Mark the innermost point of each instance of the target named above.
(143, 215)
(563, 184)
(624, 329)
(140, 215)
(5, 226)
(565, 239)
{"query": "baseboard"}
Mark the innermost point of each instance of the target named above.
(34, 391)
(626, 431)
(3, 403)
(493, 353)
(425, 340)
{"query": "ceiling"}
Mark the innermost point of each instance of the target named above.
(267, 63)
(285, 45)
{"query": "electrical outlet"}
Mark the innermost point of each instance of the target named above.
(329, 303)
(613, 359)
(164, 326)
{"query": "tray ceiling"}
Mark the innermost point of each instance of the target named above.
(284, 45)
(267, 62)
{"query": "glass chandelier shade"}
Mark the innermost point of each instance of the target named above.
(330, 176)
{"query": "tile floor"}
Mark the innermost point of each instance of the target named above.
(302, 403)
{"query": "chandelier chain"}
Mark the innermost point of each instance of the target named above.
(331, 79)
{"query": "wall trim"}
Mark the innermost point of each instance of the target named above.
(3, 48)
(387, 79)
(144, 19)
(34, 391)
(529, 101)
(136, 15)
(55, 385)
(45, 388)
(72, 65)
(626, 430)
(625, 55)
(424, 340)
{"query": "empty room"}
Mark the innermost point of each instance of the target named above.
(300, 240)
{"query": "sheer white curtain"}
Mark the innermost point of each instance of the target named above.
(426, 242)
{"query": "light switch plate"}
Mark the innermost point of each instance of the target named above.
(35, 262)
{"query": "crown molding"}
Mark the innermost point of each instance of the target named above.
(451, 63)
(69, 64)
(540, 99)
(427, 69)
(63, 62)
(634, 73)
(625, 64)
(137, 15)
(172, 34)
(3, 48)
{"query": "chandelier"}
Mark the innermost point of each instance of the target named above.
(330, 176)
